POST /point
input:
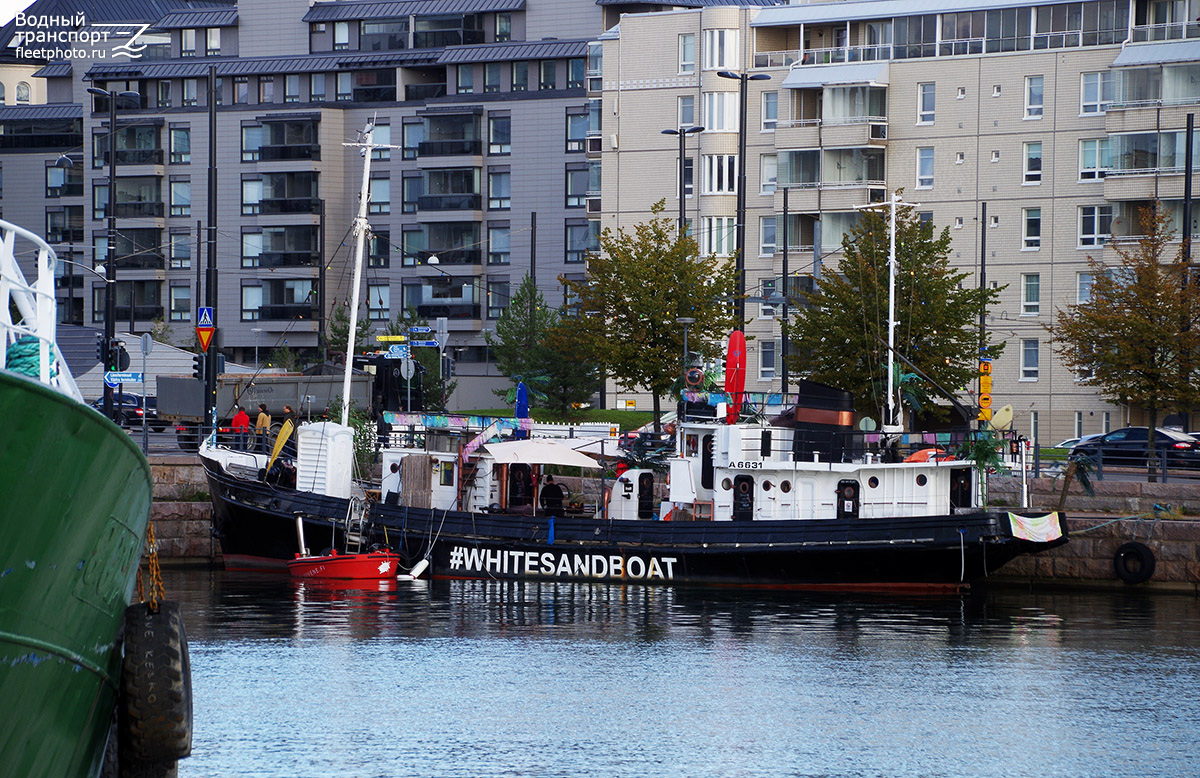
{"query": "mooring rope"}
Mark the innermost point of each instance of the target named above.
(22, 357)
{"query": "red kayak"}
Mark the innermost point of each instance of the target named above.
(377, 565)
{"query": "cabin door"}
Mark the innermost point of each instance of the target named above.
(520, 485)
(743, 498)
(645, 496)
(960, 488)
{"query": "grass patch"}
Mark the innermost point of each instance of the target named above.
(626, 420)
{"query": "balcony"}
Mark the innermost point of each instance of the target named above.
(424, 91)
(65, 235)
(291, 312)
(448, 148)
(449, 202)
(135, 157)
(776, 59)
(70, 189)
(143, 259)
(291, 151)
(437, 39)
(1166, 32)
(140, 312)
(289, 205)
(449, 310)
(374, 94)
(272, 259)
(139, 210)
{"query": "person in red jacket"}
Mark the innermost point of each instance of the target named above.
(241, 427)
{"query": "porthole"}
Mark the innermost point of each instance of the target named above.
(726, 484)
(743, 487)
(786, 486)
(922, 480)
(873, 482)
(767, 486)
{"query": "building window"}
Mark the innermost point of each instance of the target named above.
(499, 190)
(491, 77)
(1083, 288)
(189, 92)
(164, 94)
(577, 127)
(520, 76)
(688, 178)
(720, 174)
(719, 235)
(577, 183)
(1032, 239)
(766, 236)
(687, 53)
(241, 90)
(316, 87)
(414, 136)
(181, 197)
(1033, 426)
(379, 249)
(291, 88)
(252, 140)
(1033, 163)
(252, 191)
(1095, 159)
(252, 300)
(1029, 359)
(499, 135)
(766, 359)
(575, 73)
(382, 135)
(721, 111)
(181, 145)
(379, 302)
(768, 173)
(547, 74)
(1031, 294)
(252, 247)
(497, 298)
(1095, 224)
(687, 111)
(344, 86)
(503, 27)
(499, 246)
(187, 43)
(925, 168)
(770, 111)
(1096, 92)
(720, 49)
(181, 302)
(1078, 424)
(464, 83)
(412, 187)
(212, 42)
(180, 251)
(1106, 422)
(578, 241)
(379, 199)
(1033, 97)
(926, 102)
(266, 89)
(341, 36)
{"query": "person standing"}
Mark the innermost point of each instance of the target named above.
(552, 496)
(241, 427)
(262, 428)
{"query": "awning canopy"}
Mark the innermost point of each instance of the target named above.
(815, 76)
(539, 451)
(1158, 53)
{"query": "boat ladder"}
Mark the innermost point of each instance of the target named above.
(356, 523)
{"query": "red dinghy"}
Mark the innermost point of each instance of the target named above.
(378, 565)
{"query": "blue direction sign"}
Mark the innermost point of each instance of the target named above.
(419, 329)
(399, 351)
(126, 377)
(429, 343)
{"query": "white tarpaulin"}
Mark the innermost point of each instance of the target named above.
(539, 451)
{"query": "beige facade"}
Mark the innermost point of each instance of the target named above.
(1036, 127)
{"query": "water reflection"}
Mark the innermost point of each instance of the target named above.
(470, 678)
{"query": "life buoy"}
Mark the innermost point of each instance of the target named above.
(693, 377)
(1133, 563)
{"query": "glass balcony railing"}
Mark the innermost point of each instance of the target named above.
(450, 202)
(286, 205)
(446, 148)
(295, 151)
(289, 312)
(424, 91)
(449, 310)
(138, 210)
(288, 259)
(140, 312)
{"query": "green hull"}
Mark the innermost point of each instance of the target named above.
(74, 501)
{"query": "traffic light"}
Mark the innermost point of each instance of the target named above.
(100, 355)
(198, 366)
(449, 366)
(121, 356)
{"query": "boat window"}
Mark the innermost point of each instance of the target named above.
(691, 445)
(726, 484)
(767, 486)
(873, 482)
(786, 486)
(447, 474)
(921, 479)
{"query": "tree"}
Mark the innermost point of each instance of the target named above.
(435, 384)
(1137, 339)
(283, 357)
(840, 336)
(636, 287)
(517, 343)
(571, 375)
(160, 331)
(339, 326)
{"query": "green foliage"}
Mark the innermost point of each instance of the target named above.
(636, 287)
(571, 376)
(160, 331)
(517, 343)
(364, 434)
(1137, 339)
(840, 337)
(339, 327)
(284, 357)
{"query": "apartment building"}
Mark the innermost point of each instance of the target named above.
(483, 102)
(1061, 119)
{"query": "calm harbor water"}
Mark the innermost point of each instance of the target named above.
(500, 679)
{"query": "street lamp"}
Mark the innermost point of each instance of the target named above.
(685, 321)
(110, 286)
(683, 132)
(257, 333)
(740, 237)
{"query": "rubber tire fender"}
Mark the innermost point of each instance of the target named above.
(1133, 563)
(156, 685)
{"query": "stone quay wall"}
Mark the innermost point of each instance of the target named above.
(181, 512)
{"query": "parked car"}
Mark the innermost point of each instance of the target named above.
(132, 410)
(1073, 442)
(1131, 446)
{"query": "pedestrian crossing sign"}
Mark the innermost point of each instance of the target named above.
(205, 318)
